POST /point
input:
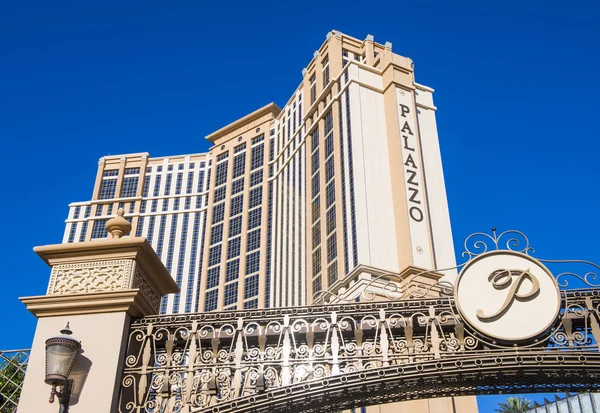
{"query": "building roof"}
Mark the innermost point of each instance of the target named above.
(271, 109)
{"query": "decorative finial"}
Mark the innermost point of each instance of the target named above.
(66, 330)
(118, 226)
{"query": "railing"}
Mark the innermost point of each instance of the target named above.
(13, 364)
(253, 360)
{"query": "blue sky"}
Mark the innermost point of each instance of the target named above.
(516, 87)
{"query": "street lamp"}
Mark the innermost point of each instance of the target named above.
(61, 352)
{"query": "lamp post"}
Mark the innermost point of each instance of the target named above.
(61, 352)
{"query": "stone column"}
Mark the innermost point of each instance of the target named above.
(97, 287)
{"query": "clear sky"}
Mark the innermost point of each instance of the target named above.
(516, 89)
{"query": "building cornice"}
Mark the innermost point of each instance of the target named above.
(267, 112)
(131, 301)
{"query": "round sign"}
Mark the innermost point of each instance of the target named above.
(508, 296)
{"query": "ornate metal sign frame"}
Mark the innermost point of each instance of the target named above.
(339, 356)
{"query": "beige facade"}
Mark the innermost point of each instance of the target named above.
(344, 180)
(340, 186)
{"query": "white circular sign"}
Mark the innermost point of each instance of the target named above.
(507, 296)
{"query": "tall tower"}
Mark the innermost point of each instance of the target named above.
(341, 185)
(293, 206)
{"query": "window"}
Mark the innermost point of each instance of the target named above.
(258, 139)
(200, 181)
(332, 273)
(315, 139)
(316, 234)
(216, 234)
(255, 197)
(329, 169)
(72, 232)
(330, 193)
(253, 241)
(222, 156)
(236, 206)
(178, 183)
(168, 183)
(221, 174)
(325, 65)
(330, 220)
(256, 177)
(231, 293)
(239, 148)
(235, 226)
(254, 218)
(239, 164)
(157, 185)
(146, 190)
(112, 172)
(317, 285)
(83, 231)
(316, 264)
(107, 188)
(313, 89)
(99, 229)
(233, 248)
(213, 277)
(190, 182)
(316, 208)
(132, 171)
(251, 287)
(210, 304)
(315, 160)
(214, 255)
(328, 123)
(252, 263)
(218, 212)
(129, 188)
(233, 270)
(258, 154)
(251, 304)
(315, 184)
(331, 247)
(237, 186)
(220, 194)
(329, 145)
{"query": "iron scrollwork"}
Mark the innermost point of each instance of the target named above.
(200, 361)
(344, 354)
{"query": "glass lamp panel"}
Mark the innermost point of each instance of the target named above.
(60, 355)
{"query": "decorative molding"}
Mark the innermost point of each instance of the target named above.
(131, 301)
(103, 277)
(150, 292)
(87, 277)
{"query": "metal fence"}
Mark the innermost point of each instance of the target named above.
(13, 364)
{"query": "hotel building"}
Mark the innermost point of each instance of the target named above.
(342, 184)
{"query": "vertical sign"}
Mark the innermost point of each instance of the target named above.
(413, 180)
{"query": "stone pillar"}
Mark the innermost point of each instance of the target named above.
(97, 287)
